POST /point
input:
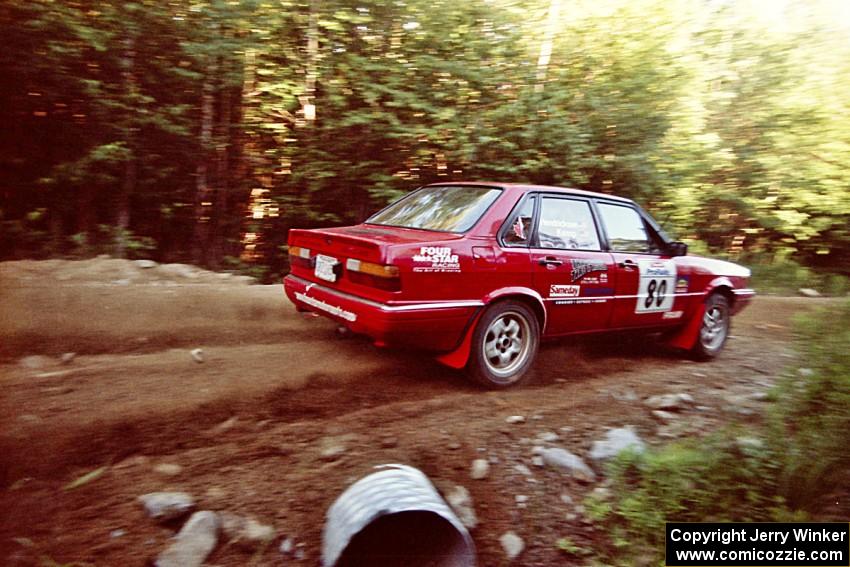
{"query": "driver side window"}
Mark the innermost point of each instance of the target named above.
(566, 224)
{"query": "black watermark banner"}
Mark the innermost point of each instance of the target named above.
(758, 544)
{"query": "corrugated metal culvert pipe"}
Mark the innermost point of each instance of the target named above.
(395, 517)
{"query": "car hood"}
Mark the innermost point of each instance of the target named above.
(716, 267)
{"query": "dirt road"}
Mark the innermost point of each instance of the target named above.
(282, 415)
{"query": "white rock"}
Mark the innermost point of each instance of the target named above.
(193, 543)
(168, 469)
(515, 419)
(569, 462)
(537, 461)
(664, 416)
(287, 546)
(806, 372)
(165, 506)
(512, 544)
(521, 498)
(746, 442)
(246, 532)
(480, 469)
(197, 355)
(145, 264)
(548, 437)
(669, 401)
(35, 361)
(615, 441)
(808, 292)
(522, 469)
(68, 357)
(461, 502)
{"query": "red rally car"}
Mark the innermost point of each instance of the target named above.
(478, 273)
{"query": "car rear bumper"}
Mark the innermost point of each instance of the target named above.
(743, 297)
(436, 326)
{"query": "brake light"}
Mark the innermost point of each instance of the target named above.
(374, 275)
(300, 257)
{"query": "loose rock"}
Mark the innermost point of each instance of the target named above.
(145, 264)
(461, 502)
(515, 419)
(808, 292)
(168, 469)
(287, 546)
(34, 362)
(194, 543)
(569, 462)
(245, 532)
(548, 437)
(197, 355)
(522, 469)
(165, 506)
(480, 469)
(669, 401)
(512, 544)
(615, 441)
(664, 416)
(68, 357)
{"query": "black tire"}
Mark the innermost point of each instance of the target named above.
(504, 345)
(714, 329)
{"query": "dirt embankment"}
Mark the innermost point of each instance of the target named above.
(249, 427)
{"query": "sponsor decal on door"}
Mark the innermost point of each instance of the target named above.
(556, 290)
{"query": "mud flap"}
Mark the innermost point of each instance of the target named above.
(687, 337)
(458, 358)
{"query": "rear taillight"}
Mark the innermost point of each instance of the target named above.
(300, 257)
(374, 275)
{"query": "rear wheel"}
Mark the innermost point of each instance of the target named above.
(504, 345)
(714, 330)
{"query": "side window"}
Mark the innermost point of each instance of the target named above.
(626, 230)
(566, 224)
(518, 231)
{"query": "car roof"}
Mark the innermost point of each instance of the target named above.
(525, 187)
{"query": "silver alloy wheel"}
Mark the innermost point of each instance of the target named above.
(715, 326)
(507, 343)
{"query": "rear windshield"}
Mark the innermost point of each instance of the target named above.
(447, 208)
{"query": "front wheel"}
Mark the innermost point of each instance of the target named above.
(504, 345)
(714, 329)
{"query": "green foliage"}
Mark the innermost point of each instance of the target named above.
(183, 121)
(783, 473)
(811, 420)
(786, 277)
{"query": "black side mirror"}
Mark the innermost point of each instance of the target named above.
(677, 248)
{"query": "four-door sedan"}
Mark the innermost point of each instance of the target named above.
(478, 273)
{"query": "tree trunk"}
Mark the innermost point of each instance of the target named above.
(203, 204)
(222, 189)
(546, 46)
(128, 183)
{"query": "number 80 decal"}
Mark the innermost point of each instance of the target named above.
(657, 277)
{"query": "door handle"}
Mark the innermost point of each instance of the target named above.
(628, 264)
(550, 262)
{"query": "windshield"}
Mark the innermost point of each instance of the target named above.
(446, 208)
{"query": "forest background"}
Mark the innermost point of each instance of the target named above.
(201, 131)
